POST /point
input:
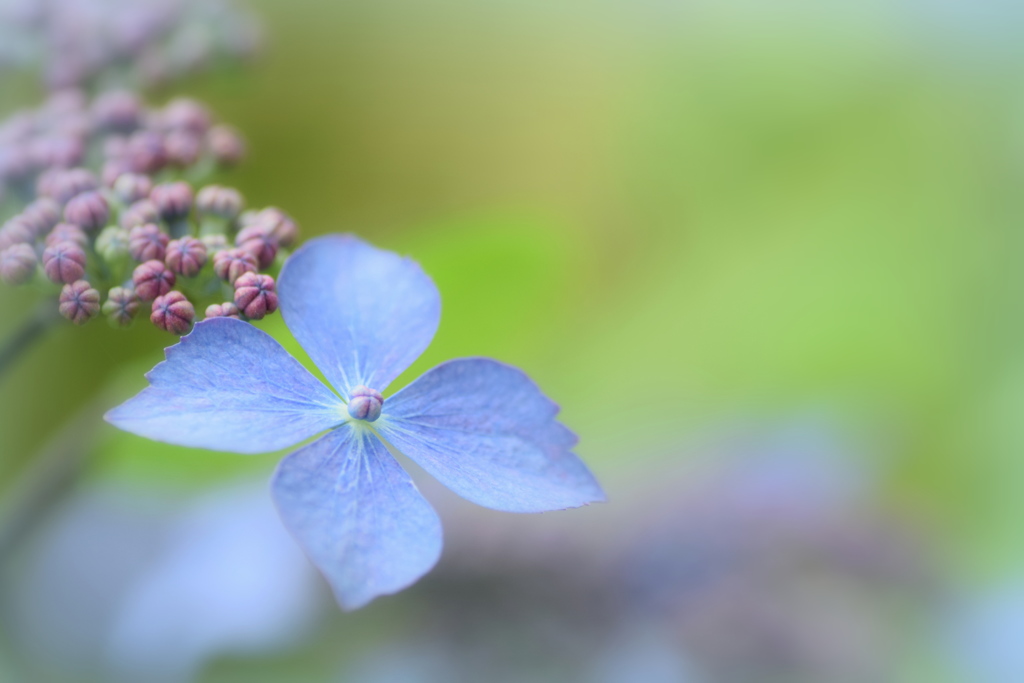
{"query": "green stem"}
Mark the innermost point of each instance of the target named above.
(47, 477)
(33, 329)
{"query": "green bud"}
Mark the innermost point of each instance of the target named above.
(112, 244)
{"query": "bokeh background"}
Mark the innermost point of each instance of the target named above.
(767, 257)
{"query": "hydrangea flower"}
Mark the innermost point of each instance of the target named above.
(481, 427)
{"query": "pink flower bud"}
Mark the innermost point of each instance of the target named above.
(152, 279)
(146, 151)
(117, 110)
(186, 114)
(131, 187)
(66, 232)
(64, 262)
(61, 151)
(41, 215)
(173, 312)
(17, 264)
(255, 295)
(15, 162)
(183, 148)
(115, 147)
(225, 202)
(147, 243)
(280, 224)
(139, 213)
(65, 100)
(257, 240)
(226, 145)
(79, 302)
(172, 200)
(121, 306)
(365, 403)
(88, 210)
(224, 310)
(64, 184)
(15, 231)
(114, 169)
(186, 256)
(231, 264)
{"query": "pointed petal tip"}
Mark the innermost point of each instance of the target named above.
(351, 602)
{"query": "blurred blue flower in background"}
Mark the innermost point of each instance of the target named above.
(987, 631)
(141, 585)
(763, 560)
(364, 315)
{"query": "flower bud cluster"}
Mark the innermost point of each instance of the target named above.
(144, 43)
(98, 204)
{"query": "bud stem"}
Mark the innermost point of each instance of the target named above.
(42, 319)
(180, 228)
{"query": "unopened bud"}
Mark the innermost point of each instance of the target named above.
(66, 232)
(172, 200)
(64, 262)
(255, 295)
(121, 306)
(114, 169)
(131, 187)
(365, 403)
(186, 114)
(17, 264)
(117, 110)
(173, 312)
(147, 243)
(141, 212)
(115, 147)
(65, 100)
(231, 264)
(186, 256)
(226, 145)
(224, 310)
(41, 215)
(257, 240)
(15, 163)
(113, 244)
(146, 151)
(62, 185)
(225, 202)
(183, 148)
(61, 151)
(79, 302)
(152, 279)
(88, 210)
(15, 232)
(280, 224)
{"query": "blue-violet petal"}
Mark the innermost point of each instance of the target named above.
(485, 430)
(357, 514)
(228, 386)
(363, 314)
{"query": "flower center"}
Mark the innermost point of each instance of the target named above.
(365, 403)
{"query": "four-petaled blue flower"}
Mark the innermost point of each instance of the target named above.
(364, 315)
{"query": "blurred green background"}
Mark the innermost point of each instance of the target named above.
(677, 217)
